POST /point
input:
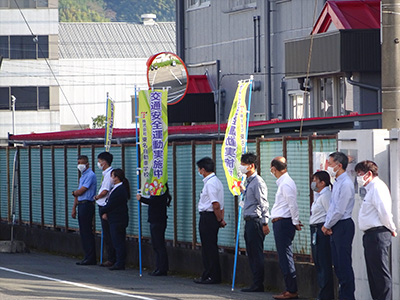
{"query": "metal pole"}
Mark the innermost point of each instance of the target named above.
(241, 195)
(13, 99)
(138, 181)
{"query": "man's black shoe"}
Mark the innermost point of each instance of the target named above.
(206, 281)
(158, 273)
(253, 289)
(86, 262)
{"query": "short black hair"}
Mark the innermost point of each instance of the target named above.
(84, 158)
(249, 158)
(366, 166)
(341, 158)
(107, 156)
(279, 165)
(323, 176)
(207, 163)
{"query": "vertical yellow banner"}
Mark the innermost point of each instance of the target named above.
(109, 124)
(235, 138)
(153, 141)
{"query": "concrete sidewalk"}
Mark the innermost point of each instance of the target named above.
(45, 276)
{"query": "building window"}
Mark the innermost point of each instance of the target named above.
(24, 46)
(242, 4)
(299, 105)
(335, 97)
(193, 4)
(24, 3)
(28, 98)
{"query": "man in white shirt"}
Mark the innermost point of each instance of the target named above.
(211, 209)
(285, 222)
(339, 225)
(376, 220)
(104, 161)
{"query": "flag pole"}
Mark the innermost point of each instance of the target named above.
(241, 195)
(138, 182)
(105, 146)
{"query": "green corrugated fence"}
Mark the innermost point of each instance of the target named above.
(48, 174)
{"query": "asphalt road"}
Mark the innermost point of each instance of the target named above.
(44, 276)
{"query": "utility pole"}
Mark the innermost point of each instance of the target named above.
(390, 30)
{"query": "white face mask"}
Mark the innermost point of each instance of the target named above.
(201, 175)
(99, 166)
(331, 171)
(243, 169)
(361, 181)
(81, 167)
(314, 186)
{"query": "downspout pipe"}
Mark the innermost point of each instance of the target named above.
(269, 63)
(180, 28)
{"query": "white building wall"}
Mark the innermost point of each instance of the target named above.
(41, 21)
(86, 82)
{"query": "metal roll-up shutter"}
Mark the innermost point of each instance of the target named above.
(24, 184)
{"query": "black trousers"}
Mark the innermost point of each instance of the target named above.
(284, 232)
(118, 237)
(254, 237)
(341, 244)
(376, 251)
(107, 239)
(208, 228)
(321, 253)
(157, 231)
(85, 219)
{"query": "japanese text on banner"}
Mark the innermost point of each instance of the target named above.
(154, 141)
(109, 124)
(235, 138)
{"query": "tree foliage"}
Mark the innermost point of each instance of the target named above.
(99, 122)
(82, 11)
(115, 10)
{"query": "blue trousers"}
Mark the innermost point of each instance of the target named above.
(376, 251)
(254, 237)
(321, 253)
(284, 232)
(341, 240)
(85, 219)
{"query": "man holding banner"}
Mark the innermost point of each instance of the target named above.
(256, 215)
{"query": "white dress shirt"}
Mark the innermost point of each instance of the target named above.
(213, 191)
(320, 206)
(342, 201)
(285, 205)
(106, 184)
(376, 208)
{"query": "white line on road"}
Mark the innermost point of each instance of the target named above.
(78, 284)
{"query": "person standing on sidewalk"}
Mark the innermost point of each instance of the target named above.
(84, 201)
(339, 224)
(320, 243)
(211, 209)
(104, 161)
(256, 215)
(285, 222)
(376, 220)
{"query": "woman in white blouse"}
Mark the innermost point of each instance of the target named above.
(320, 243)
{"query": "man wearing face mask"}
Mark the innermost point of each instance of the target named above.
(376, 220)
(256, 215)
(104, 161)
(85, 203)
(211, 208)
(339, 225)
(285, 222)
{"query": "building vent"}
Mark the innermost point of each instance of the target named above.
(148, 19)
